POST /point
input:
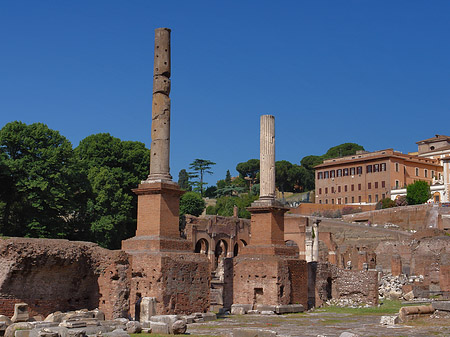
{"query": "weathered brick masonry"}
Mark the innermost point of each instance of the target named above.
(53, 275)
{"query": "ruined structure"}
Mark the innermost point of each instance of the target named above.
(267, 271)
(163, 265)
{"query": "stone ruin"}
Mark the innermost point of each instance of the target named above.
(157, 272)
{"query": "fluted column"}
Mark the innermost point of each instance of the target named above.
(267, 158)
(160, 147)
(315, 254)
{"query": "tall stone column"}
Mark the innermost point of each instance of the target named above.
(267, 158)
(160, 147)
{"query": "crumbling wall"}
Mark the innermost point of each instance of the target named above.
(53, 275)
(360, 286)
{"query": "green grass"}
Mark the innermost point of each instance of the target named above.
(387, 307)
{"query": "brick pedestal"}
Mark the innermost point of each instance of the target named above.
(266, 271)
(163, 264)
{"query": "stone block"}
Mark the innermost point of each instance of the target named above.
(240, 309)
(134, 327)
(253, 312)
(20, 313)
(209, 316)
(76, 333)
(98, 314)
(22, 333)
(253, 333)
(188, 319)
(389, 320)
(265, 307)
(289, 308)
(10, 330)
(409, 296)
(116, 333)
(441, 305)
(55, 317)
(148, 308)
(178, 327)
(348, 334)
(159, 327)
(267, 312)
(6, 320)
(169, 319)
(199, 320)
(73, 324)
(47, 333)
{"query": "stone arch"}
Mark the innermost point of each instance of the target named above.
(202, 246)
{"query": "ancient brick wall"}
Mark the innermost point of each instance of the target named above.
(407, 217)
(53, 275)
(180, 282)
(310, 208)
(356, 285)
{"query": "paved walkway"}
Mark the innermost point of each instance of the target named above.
(320, 324)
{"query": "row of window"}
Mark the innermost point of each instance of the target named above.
(351, 171)
(345, 200)
(352, 187)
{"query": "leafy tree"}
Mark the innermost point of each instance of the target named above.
(283, 176)
(230, 190)
(183, 180)
(248, 169)
(346, 149)
(192, 203)
(200, 167)
(225, 205)
(113, 168)
(385, 203)
(210, 192)
(418, 193)
(42, 187)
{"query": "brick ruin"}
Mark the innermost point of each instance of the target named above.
(275, 259)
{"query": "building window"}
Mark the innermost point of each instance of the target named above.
(352, 171)
(369, 169)
(339, 172)
(332, 173)
(353, 200)
(326, 175)
(417, 171)
(346, 200)
(397, 169)
(359, 187)
(345, 188)
(383, 196)
(320, 191)
(353, 187)
(320, 201)
(332, 201)
(359, 170)
(425, 172)
(326, 201)
(346, 172)
(369, 186)
(376, 168)
(376, 184)
(320, 175)
(359, 199)
(332, 189)
(397, 184)
(383, 167)
(370, 198)
(432, 174)
(326, 191)
(339, 189)
(383, 184)
(376, 197)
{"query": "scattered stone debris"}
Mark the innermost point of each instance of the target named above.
(82, 323)
(347, 302)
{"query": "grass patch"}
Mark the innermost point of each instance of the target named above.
(387, 307)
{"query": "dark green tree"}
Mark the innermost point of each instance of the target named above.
(225, 205)
(346, 149)
(284, 176)
(42, 185)
(114, 168)
(210, 192)
(249, 169)
(183, 180)
(199, 168)
(228, 178)
(191, 203)
(418, 193)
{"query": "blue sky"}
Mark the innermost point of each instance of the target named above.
(371, 72)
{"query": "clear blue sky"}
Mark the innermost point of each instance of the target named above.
(376, 73)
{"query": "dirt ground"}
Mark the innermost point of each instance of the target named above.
(322, 324)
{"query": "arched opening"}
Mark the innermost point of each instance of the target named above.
(236, 249)
(221, 249)
(202, 246)
(328, 288)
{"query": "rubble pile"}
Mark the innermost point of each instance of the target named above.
(347, 302)
(82, 323)
(391, 287)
